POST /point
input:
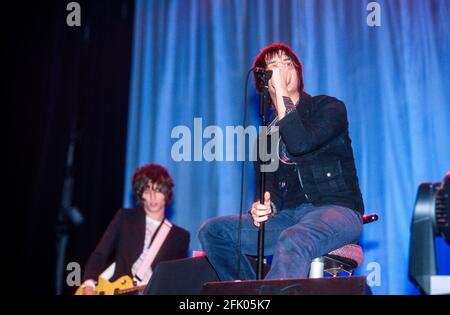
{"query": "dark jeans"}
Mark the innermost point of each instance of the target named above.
(294, 237)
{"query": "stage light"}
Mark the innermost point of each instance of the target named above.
(430, 220)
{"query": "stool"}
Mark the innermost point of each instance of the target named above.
(344, 259)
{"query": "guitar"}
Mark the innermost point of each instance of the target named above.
(123, 285)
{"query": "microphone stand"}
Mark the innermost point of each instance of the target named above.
(68, 215)
(263, 102)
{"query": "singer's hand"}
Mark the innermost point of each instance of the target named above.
(278, 81)
(278, 88)
(259, 212)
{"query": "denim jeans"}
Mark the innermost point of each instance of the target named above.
(294, 237)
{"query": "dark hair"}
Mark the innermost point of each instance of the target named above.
(272, 50)
(154, 174)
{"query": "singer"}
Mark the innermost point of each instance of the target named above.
(312, 202)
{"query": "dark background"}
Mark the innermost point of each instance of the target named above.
(57, 77)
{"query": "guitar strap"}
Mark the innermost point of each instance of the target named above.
(144, 272)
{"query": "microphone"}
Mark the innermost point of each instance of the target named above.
(263, 72)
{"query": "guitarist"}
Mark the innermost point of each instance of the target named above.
(141, 237)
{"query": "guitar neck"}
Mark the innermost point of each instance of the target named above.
(139, 288)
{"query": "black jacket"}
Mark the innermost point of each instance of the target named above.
(317, 140)
(125, 237)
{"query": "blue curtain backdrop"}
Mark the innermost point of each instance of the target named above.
(190, 59)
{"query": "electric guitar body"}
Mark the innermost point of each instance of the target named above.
(122, 285)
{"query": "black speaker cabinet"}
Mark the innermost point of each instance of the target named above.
(181, 277)
(355, 285)
(194, 276)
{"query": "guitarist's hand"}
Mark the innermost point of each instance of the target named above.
(259, 212)
(89, 291)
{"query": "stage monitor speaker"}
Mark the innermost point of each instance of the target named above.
(181, 277)
(355, 285)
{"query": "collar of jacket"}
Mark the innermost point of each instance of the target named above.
(305, 105)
